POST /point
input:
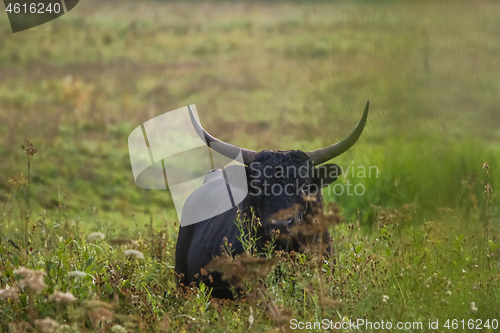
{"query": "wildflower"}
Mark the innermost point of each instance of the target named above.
(385, 298)
(473, 307)
(100, 314)
(244, 265)
(488, 189)
(9, 294)
(47, 325)
(77, 274)
(134, 253)
(32, 278)
(62, 297)
(486, 165)
(25, 272)
(251, 319)
(448, 292)
(18, 181)
(35, 282)
(67, 329)
(29, 148)
(96, 235)
(20, 327)
(118, 329)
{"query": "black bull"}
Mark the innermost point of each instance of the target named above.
(277, 181)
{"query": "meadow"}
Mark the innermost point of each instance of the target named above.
(420, 245)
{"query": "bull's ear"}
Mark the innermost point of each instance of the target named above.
(326, 174)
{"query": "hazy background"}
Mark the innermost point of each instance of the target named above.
(263, 75)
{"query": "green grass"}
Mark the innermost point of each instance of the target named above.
(280, 75)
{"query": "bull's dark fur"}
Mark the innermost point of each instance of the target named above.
(198, 243)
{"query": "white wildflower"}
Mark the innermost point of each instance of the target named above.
(473, 307)
(96, 235)
(47, 325)
(68, 329)
(35, 282)
(25, 272)
(385, 298)
(32, 278)
(9, 294)
(77, 274)
(134, 253)
(118, 329)
(448, 292)
(20, 327)
(62, 297)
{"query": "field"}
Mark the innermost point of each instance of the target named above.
(420, 245)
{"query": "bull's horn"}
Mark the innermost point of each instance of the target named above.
(221, 147)
(325, 154)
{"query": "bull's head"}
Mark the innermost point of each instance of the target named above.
(283, 180)
(284, 187)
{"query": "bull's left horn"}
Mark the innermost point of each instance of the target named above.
(325, 154)
(219, 146)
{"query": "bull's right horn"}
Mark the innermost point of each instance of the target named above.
(325, 154)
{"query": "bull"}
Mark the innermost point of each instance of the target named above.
(277, 181)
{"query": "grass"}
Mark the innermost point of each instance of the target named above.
(421, 243)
